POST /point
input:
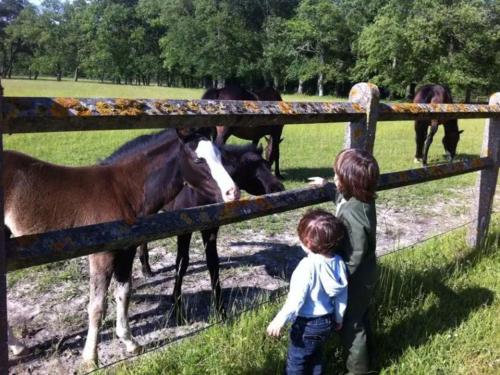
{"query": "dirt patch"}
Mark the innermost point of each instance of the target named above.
(50, 314)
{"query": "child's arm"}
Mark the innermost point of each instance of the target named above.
(323, 182)
(299, 287)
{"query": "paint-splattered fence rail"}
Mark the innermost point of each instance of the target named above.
(26, 115)
(22, 115)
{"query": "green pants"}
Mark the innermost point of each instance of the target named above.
(356, 332)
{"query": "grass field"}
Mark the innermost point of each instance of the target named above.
(437, 311)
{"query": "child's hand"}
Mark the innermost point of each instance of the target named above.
(274, 329)
(338, 326)
(317, 181)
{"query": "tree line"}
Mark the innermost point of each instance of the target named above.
(313, 46)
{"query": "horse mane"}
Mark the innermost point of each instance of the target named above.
(139, 144)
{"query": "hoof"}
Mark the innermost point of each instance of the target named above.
(417, 160)
(87, 366)
(147, 273)
(134, 348)
(18, 349)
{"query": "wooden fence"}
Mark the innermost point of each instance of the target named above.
(23, 115)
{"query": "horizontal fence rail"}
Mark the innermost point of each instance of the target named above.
(27, 115)
(28, 251)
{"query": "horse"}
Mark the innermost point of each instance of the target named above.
(254, 133)
(41, 196)
(435, 94)
(251, 173)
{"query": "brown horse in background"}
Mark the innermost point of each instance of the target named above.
(254, 133)
(144, 177)
(435, 94)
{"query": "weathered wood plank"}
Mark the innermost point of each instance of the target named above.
(66, 114)
(361, 133)
(28, 251)
(486, 182)
(24, 115)
(4, 350)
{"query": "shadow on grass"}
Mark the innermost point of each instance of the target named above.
(435, 307)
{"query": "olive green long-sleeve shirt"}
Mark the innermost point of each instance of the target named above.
(360, 220)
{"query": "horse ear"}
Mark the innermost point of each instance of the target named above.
(184, 133)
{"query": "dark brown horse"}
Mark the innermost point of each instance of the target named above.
(253, 134)
(435, 94)
(251, 173)
(143, 178)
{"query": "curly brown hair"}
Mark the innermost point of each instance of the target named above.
(357, 174)
(320, 231)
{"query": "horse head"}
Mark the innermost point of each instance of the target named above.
(250, 170)
(201, 166)
(450, 142)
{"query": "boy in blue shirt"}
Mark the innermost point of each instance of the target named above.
(317, 298)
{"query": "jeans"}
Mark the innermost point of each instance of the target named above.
(307, 338)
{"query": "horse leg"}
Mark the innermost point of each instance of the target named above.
(101, 270)
(223, 134)
(210, 242)
(274, 154)
(420, 135)
(14, 344)
(144, 258)
(181, 265)
(428, 141)
(122, 271)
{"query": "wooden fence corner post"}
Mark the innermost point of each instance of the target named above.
(4, 354)
(486, 181)
(361, 134)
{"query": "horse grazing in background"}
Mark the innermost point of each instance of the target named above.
(254, 133)
(143, 178)
(251, 173)
(435, 94)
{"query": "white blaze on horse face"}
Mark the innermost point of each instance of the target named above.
(211, 154)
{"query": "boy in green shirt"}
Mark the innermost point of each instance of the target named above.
(356, 177)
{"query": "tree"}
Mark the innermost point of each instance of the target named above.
(446, 41)
(321, 40)
(10, 44)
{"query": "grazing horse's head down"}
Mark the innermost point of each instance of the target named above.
(137, 180)
(435, 94)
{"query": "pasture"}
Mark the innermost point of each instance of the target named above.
(405, 215)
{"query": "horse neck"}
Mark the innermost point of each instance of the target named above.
(151, 181)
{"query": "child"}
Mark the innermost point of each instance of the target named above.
(356, 177)
(318, 293)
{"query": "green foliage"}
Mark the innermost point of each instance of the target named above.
(451, 42)
(321, 45)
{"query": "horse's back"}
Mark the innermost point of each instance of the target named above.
(41, 196)
(436, 94)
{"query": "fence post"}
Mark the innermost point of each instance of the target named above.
(361, 134)
(486, 181)
(4, 354)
